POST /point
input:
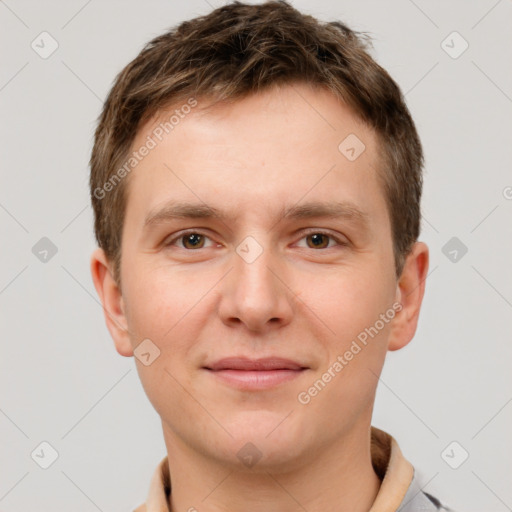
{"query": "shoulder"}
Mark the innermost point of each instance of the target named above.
(439, 506)
(417, 500)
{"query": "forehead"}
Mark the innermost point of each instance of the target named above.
(277, 146)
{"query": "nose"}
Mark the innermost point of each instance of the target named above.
(256, 293)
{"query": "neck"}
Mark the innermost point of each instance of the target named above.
(338, 477)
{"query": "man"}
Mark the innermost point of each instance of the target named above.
(256, 182)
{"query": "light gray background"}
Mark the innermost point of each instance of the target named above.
(62, 380)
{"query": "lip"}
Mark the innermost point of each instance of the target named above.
(253, 374)
(263, 364)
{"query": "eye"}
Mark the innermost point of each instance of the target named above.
(321, 240)
(189, 240)
(193, 240)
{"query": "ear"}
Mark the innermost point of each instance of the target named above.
(112, 301)
(409, 293)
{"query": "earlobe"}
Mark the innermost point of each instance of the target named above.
(112, 301)
(410, 292)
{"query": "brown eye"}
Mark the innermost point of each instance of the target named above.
(318, 240)
(190, 240)
(193, 241)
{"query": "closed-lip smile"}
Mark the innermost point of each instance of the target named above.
(253, 374)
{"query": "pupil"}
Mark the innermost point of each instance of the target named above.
(193, 239)
(317, 239)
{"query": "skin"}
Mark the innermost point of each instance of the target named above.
(276, 149)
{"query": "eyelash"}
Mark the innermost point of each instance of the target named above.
(182, 234)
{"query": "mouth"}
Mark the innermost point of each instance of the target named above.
(253, 374)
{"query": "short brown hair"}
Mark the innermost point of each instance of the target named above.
(241, 49)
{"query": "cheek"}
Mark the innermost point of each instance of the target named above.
(348, 300)
(170, 308)
(352, 307)
(351, 304)
(160, 297)
(150, 310)
(162, 310)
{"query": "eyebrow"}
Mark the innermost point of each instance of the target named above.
(184, 210)
(343, 210)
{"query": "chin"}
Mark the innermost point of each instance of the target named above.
(265, 441)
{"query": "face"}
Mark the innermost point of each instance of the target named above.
(257, 259)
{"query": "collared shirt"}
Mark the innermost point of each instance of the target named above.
(399, 490)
